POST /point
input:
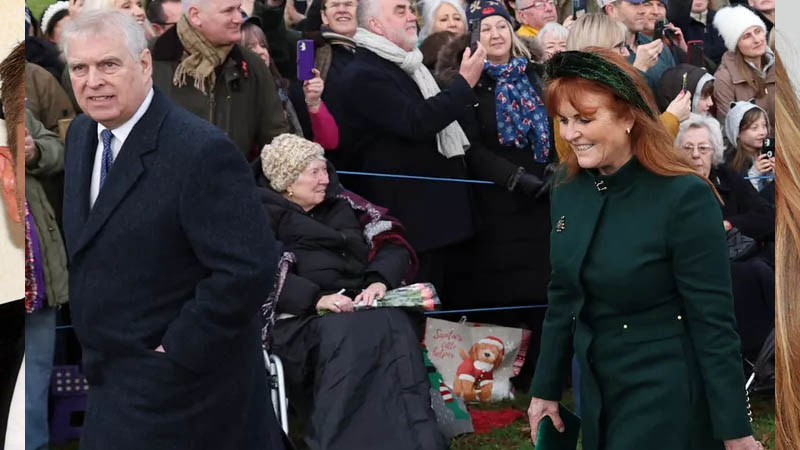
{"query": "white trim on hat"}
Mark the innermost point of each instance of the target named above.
(491, 340)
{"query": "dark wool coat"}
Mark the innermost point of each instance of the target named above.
(743, 207)
(507, 262)
(357, 378)
(649, 315)
(388, 127)
(176, 251)
(246, 106)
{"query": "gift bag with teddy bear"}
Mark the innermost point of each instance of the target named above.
(476, 360)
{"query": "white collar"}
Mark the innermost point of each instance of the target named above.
(121, 132)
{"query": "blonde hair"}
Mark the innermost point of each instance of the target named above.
(595, 30)
(787, 270)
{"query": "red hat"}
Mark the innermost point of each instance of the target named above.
(492, 340)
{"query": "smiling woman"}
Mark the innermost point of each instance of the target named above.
(649, 316)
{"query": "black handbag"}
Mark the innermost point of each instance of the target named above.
(740, 247)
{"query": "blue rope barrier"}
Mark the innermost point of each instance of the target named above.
(429, 313)
(464, 180)
(499, 308)
(412, 177)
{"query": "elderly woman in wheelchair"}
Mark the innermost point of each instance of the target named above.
(356, 378)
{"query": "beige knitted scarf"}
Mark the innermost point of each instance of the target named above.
(201, 60)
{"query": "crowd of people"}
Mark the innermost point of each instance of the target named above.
(221, 162)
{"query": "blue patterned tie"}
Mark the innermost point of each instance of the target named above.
(108, 157)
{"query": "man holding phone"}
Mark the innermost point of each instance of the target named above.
(648, 55)
(397, 120)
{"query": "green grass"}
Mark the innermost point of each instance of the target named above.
(517, 436)
(38, 6)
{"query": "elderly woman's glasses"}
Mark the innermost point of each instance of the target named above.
(540, 5)
(702, 148)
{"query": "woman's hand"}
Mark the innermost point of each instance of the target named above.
(745, 443)
(335, 303)
(30, 147)
(312, 90)
(472, 65)
(540, 408)
(681, 106)
(373, 292)
(765, 164)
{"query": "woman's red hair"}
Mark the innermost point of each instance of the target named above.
(650, 142)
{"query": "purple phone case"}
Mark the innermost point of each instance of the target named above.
(305, 59)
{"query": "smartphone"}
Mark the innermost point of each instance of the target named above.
(658, 30)
(474, 34)
(695, 55)
(305, 59)
(578, 8)
(683, 81)
(768, 148)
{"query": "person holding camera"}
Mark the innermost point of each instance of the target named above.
(747, 129)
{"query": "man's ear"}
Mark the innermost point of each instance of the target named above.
(374, 26)
(193, 16)
(9, 185)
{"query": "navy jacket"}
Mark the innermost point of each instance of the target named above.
(176, 251)
(388, 127)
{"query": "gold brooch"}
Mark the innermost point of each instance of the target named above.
(561, 225)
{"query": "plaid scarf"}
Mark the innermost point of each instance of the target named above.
(201, 60)
(521, 116)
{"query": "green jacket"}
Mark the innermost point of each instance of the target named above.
(641, 291)
(245, 106)
(49, 162)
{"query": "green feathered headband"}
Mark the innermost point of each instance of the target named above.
(593, 67)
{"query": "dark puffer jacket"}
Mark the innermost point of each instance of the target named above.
(508, 260)
(331, 252)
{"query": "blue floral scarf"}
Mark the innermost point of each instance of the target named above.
(521, 115)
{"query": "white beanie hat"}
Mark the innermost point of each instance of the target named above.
(733, 120)
(732, 21)
(286, 157)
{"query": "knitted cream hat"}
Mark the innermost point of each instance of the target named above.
(732, 21)
(286, 157)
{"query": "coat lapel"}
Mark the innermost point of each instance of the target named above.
(126, 171)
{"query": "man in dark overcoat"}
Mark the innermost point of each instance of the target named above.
(395, 122)
(170, 257)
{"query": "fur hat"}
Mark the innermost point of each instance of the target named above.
(734, 119)
(50, 12)
(286, 157)
(732, 21)
(481, 9)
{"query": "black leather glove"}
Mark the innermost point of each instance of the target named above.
(528, 184)
(549, 178)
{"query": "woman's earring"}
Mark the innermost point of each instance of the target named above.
(290, 193)
(627, 130)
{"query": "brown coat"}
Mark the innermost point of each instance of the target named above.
(47, 100)
(730, 86)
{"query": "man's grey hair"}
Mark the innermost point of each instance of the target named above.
(104, 23)
(555, 28)
(367, 9)
(186, 4)
(697, 121)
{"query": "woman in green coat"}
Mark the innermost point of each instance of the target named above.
(640, 289)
